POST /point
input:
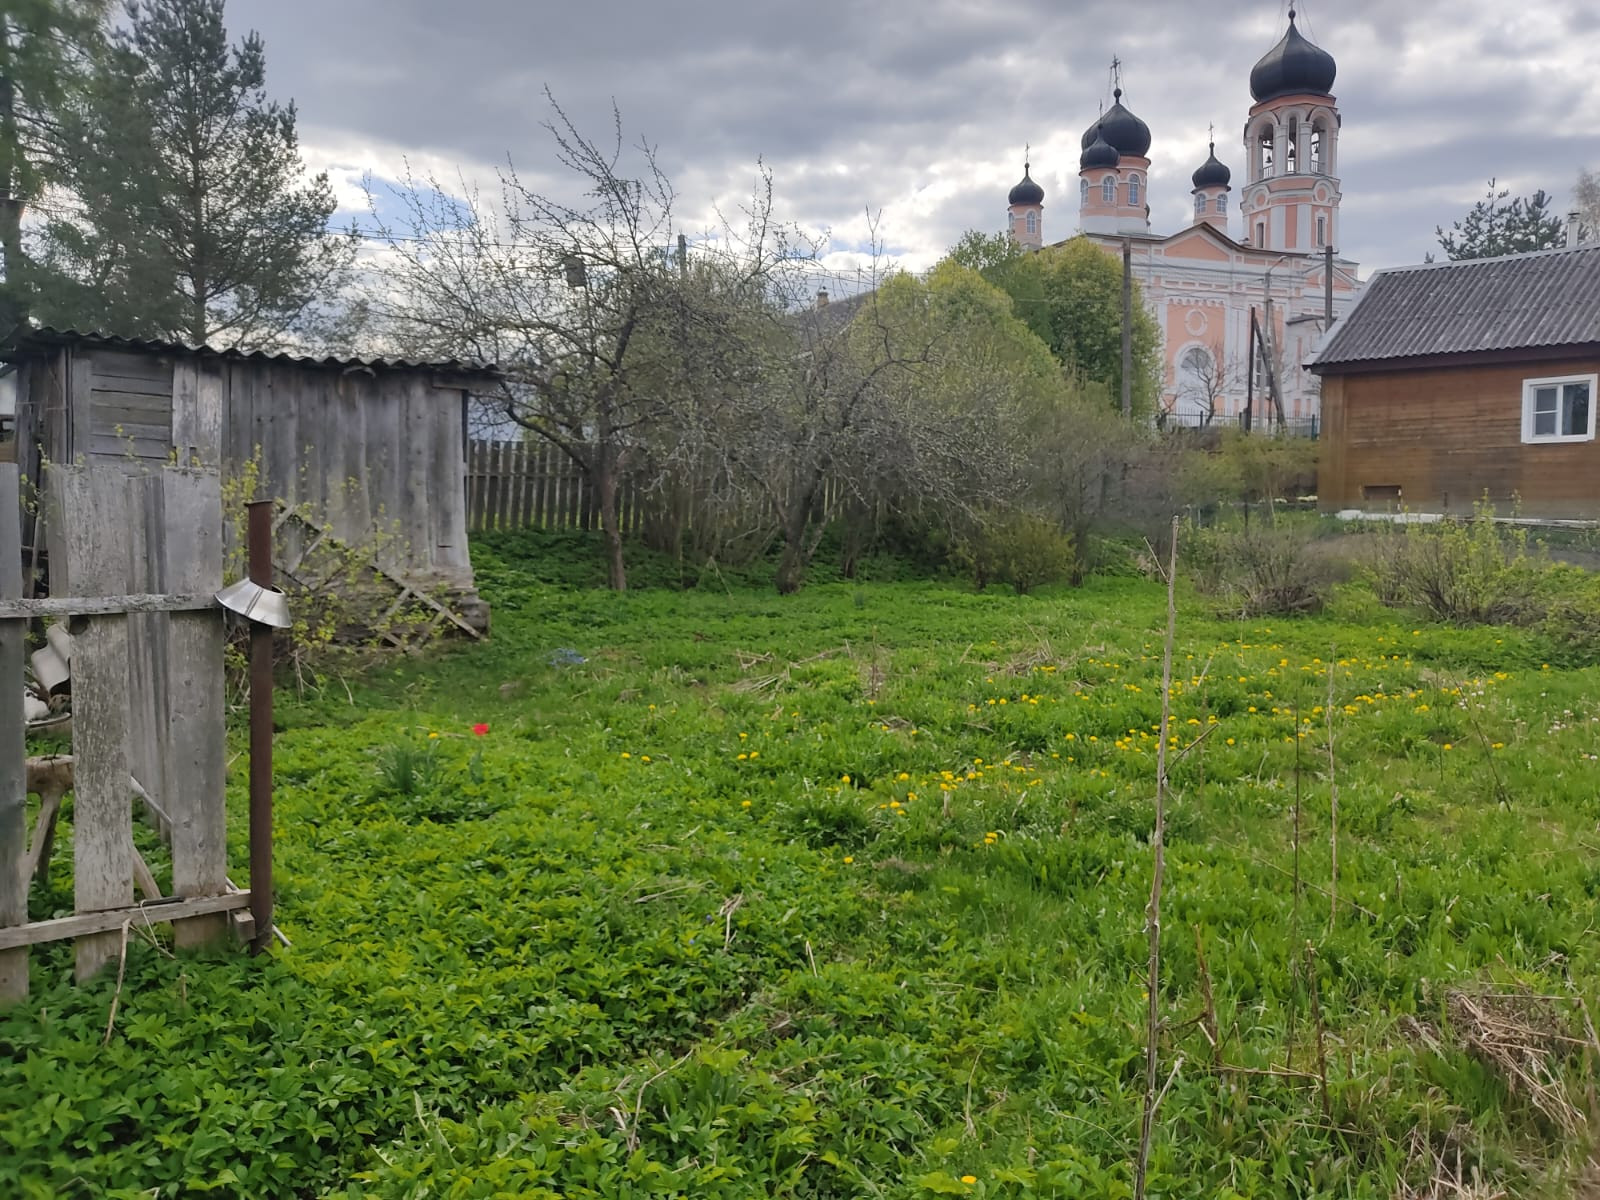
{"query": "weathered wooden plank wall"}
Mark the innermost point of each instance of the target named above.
(102, 826)
(13, 751)
(534, 485)
(378, 455)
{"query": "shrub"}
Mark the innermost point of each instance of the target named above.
(1018, 548)
(1471, 572)
(1261, 570)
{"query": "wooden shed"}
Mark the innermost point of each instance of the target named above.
(1451, 382)
(375, 448)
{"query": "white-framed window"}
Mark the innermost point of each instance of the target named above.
(1083, 191)
(1033, 222)
(1199, 206)
(1108, 190)
(1559, 409)
(1322, 231)
(1261, 233)
(1133, 191)
(1222, 203)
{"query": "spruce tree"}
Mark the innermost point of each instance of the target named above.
(45, 50)
(199, 220)
(1494, 227)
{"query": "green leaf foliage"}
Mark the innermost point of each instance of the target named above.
(842, 894)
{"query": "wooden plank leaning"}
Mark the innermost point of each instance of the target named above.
(195, 737)
(14, 877)
(91, 506)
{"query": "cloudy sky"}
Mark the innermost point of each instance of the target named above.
(920, 111)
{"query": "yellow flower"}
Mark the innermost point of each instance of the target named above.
(755, 754)
(911, 795)
(644, 758)
(625, 754)
(848, 859)
(1448, 746)
(844, 779)
(1230, 741)
(742, 736)
(745, 804)
(434, 734)
(969, 1179)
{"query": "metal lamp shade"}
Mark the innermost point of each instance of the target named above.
(264, 605)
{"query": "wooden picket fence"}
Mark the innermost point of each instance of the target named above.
(534, 485)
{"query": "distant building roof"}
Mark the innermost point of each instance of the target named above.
(1543, 301)
(43, 337)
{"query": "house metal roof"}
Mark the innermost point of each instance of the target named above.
(1539, 301)
(44, 336)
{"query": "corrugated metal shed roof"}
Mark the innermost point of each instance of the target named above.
(1523, 301)
(44, 336)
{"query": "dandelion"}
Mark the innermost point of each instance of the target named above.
(743, 757)
(625, 754)
(1448, 746)
(755, 754)
(848, 859)
(644, 758)
(744, 804)
(1230, 741)
(911, 796)
(844, 779)
(433, 734)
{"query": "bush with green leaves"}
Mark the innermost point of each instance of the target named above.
(1257, 570)
(1018, 548)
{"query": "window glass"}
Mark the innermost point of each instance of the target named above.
(1544, 411)
(1108, 190)
(1322, 231)
(1575, 410)
(1199, 205)
(1033, 222)
(1222, 203)
(1133, 191)
(1083, 191)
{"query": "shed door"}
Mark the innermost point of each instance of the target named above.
(130, 405)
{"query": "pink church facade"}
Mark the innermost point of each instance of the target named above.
(1264, 262)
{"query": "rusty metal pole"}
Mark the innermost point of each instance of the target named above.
(260, 565)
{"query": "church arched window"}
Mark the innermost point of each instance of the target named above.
(1265, 150)
(1319, 148)
(1291, 148)
(1108, 190)
(1033, 222)
(1133, 191)
(1083, 191)
(1200, 206)
(1222, 203)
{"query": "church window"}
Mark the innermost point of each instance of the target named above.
(1222, 203)
(1083, 191)
(1033, 222)
(1261, 233)
(1108, 190)
(1133, 191)
(1199, 206)
(1317, 139)
(1322, 231)
(1291, 148)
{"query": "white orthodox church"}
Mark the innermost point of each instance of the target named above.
(1264, 262)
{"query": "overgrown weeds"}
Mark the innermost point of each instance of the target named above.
(1263, 569)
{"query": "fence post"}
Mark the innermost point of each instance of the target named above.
(13, 745)
(92, 505)
(192, 722)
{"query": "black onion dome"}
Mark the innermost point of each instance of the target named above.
(1100, 153)
(1212, 173)
(1123, 132)
(1026, 192)
(1294, 65)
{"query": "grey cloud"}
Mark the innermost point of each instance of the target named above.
(899, 95)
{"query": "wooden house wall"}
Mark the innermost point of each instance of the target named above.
(1443, 437)
(380, 456)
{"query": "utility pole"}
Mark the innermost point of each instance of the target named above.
(1327, 288)
(1127, 329)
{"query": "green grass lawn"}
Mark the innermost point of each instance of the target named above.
(842, 895)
